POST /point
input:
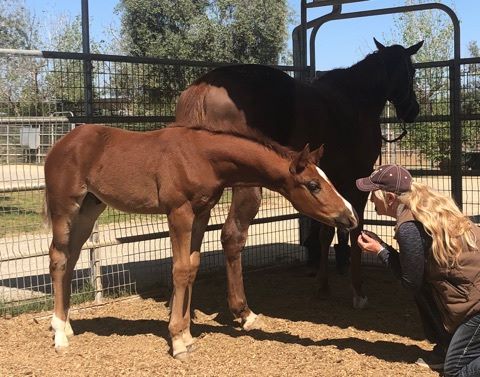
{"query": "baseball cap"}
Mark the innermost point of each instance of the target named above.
(392, 178)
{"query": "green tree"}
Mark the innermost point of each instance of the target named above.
(218, 31)
(19, 75)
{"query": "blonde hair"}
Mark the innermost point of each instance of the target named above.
(450, 229)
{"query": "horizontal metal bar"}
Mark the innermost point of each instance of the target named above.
(419, 119)
(22, 188)
(149, 236)
(125, 59)
(34, 119)
(379, 222)
(324, 3)
(11, 51)
(436, 64)
(123, 119)
(152, 236)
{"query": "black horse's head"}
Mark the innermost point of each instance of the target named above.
(400, 75)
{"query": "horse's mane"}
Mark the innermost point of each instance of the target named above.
(355, 72)
(252, 135)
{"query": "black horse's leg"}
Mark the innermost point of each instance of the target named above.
(342, 251)
(325, 236)
(310, 235)
(358, 200)
(245, 204)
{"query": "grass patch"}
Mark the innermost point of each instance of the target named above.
(20, 212)
(27, 306)
(83, 295)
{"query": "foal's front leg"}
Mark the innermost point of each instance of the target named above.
(245, 204)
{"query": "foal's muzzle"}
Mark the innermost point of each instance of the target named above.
(347, 220)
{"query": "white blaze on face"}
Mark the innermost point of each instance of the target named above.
(324, 176)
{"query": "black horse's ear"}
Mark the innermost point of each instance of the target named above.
(317, 154)
(300, 161)
(378, 44)
(414, 49)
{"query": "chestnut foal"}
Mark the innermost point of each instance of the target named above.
(177, 171)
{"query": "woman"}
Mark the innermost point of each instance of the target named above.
(438, 259)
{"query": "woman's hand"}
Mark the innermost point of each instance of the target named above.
(368, 244)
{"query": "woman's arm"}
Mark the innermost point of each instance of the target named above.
(408, 264)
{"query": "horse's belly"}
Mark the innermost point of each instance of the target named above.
(138, 197)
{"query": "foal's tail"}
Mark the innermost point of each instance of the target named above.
(46, 216)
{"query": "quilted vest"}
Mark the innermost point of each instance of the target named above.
(456, 290)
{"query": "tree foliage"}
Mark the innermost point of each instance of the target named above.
(36, 86)
(216, 31)
(219, 30)
(18, 75)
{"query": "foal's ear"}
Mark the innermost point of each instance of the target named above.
(414, 49)
(378, 44)
(317, 154)
(300, 161)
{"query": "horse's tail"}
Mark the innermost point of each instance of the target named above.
(191, 104)
(46, 216)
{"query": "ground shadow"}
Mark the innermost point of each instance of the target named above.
(107, 326)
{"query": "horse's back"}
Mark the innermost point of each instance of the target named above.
(241, 98)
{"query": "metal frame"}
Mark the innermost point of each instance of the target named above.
(299, 37)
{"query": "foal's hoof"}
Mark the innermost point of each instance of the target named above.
(61, 350)
(192, 347)
(181, 356)
(360, 302)
(253, 322)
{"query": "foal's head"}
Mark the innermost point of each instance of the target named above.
(400, 75)
(311, 192)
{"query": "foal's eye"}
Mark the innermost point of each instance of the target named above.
(313, 187)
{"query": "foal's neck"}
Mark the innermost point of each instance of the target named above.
(248, 163)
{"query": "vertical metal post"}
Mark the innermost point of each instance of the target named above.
(95, 266)
(299, 43)
(96, 276)
(455, 121)
(87, 62)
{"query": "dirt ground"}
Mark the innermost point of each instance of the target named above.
(301, 335)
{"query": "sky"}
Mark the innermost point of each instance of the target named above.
(339, 43)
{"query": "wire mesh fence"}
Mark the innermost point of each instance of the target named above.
(42, 98)
(126, 252)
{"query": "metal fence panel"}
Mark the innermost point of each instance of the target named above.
(43, 97)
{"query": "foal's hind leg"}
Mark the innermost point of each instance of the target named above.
(245, 204)
(70, 233)
(180, 225)
(198, 230)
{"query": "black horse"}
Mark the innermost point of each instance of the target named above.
(341, 109)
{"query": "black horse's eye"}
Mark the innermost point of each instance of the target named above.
(313, 187)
